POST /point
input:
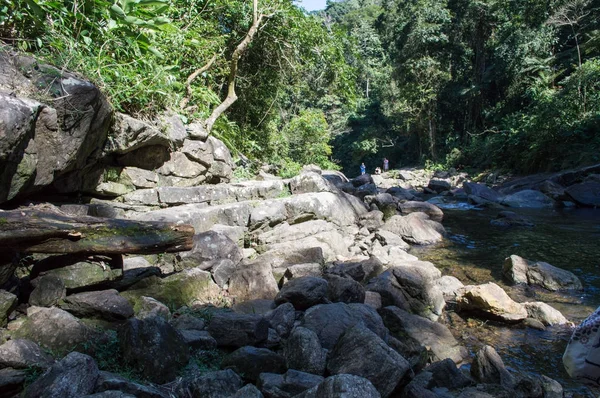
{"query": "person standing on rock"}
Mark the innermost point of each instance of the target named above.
(363, 169)
(386, 164)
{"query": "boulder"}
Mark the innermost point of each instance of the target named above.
(487, 367)
(362, 180)
(545, 314)
(366, 190)
(105, 304)
(72, 377)
(303, 292)
(481, 191)
(282, 319)
(519, 270)
(255, 307)
(401, 193)
(248, 391)
(361, 352)
(434, 212)
(415, 228)
(490, 301)
(435, 336)
(585, 194)
(303, 352)
(148, 307)
(54, 329)
(187, 322)
(198, 339)
(238, 330)
(442, 375)
(268, 215)
(287, 385)
(342, 386)
(372, 220)
(208, 247)
(387, 238)
(449, 286)
(49, 290)
(511, 219)
(154, 348)
(330, 321)
(359, 270)
(528, 198)
(219, 384)
(311, 182)
(344, 290)
(385, 202)
(23, 354)
(250, 362)
(12, 382)
(112, 382)
(8, 302)
(252, 281)
(222, 270)
(439, 186)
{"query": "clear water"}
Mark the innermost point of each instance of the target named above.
(474, 252)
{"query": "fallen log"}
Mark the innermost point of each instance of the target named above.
(45, 229)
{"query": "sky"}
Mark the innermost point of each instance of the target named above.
(311, 5)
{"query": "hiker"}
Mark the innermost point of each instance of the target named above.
(386, 164)
(363, 169)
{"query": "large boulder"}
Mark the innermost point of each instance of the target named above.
(112, 382)
(361, 352)
(342, 386)
(105, 304)
(24, 354)
(8, 302)
(287, 385)
(154, 348)
(209, 247)
(481, 191)
(415, 228)
(252, 281)
(433, 335)
(519, 270)
(238, 330)
(219, 384)
(303, 352)
(72, 377)
(311, 182)
(344, 290)
(303, 292)
(434, 212)
(490, 301)
(528, 198)
(488, 367)
(12, 382)
(545, 313)
(361, 270)
(585, 194)
(48, 291)
(251, 362)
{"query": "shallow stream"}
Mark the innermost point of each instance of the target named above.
(474, 252)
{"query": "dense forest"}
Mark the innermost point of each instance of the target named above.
(510, 84)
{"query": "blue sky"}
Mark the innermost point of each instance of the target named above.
(310, 5)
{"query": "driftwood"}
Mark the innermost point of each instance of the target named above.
(45, 229)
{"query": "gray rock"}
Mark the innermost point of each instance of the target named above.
(342, 386)
(330, 321)
(141, 178)
(209, 246)
(384, 202)
(511, 219)
(248, 391)
(154, 348)
(491, 301)
(361, 352)
(71, 377)
(222, 270)
(360, 271)
(372, 220)
(449, 286)
(253, 280)
(439, 186)
(299, 270)
(434, 212)
(268, 215)
(254, 307)
(238, 330)
(311, 182)
(105, 304)
(109, 394)
(519, 270)
(250, 361)
(8, 302)
(387, 238)
(303, 292)
(282, 319)
(129, 134)
(430, 334)
(482, 191)
(219, 384)
(442, 375)
(487, 367)
(23, 354)
(362, 180)
(287, 385)
(187, 322)
(150, 307)
(551, 388)
(12, 382)
(415, 228)
(54, 328)
(181, 166)
(401, 193)
(303, 352)
(49, 290)
(198, 339)
(545, 314)
(410, 349)
(413, 390)
(528, 198)
(344, 290)
(112, 382)
(585, 194)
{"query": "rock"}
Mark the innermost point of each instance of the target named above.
(585, 194)
(129, 134)
(433, 335)
(110, 394)
(528, 198)
(439, 186)
(545, 314)
(342, 386)
(222, 270)
(8, 302)
(72, 377)
(372, 220)
(491, 301)
(384, 202)
(238, 330)
(187, 322)
(23, 354)
(54, 328)
(482, 191)
(366, 190)
(289, 258)
(344, 290)
(287, 385)
(434, 212)
(252, 281)
(511, 219)
(105, 304)
(401, 193)
(388, 238)
(181, 166)
(330, 321)
(449, 286)
(49, 290)
(154, 348)
(12, 382)
(360, 271)
(551, 388)
(442, 375)
(299, 270)
(198, 339)
(487, 367)
(303, 292)
(415, 228)
(251, 361)
(248, 391)
(410, 349)
(210, 246)
(254, 307)
(268, 215)
(362, 180)
(303, 352)
(282, 319)
(519, 270)
(220, 384)
(149, 308)
(311, 182)
(373, 299)
(361, 352)
(112, 382)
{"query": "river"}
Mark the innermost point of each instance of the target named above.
(474, 252)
